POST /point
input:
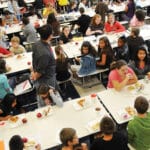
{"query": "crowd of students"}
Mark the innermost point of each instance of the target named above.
(137, 131)
(47, 70)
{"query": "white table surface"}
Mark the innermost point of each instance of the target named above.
(29, 1)
(142, 3)
(116, 102)
(144, 31)
(14, 28)
(3, 5)
(117, 8)
(19, 64)
(72, 49)
(46, 130)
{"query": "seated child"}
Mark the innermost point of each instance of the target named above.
(5, 53)
(6, 106)
(62, 65)
(70, 139)
(110, 139)
(139, 127)
(16, 143)
(87, 60)
(49, 96)
(16, 48)
(65, 36)
(120, 75)
(4, 85)
(122, 51)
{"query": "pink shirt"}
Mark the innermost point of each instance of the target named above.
(134, 22)
(114, 75)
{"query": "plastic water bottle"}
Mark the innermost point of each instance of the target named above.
(146, 80)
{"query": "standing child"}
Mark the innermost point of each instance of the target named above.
(16, 48)
(4, 85)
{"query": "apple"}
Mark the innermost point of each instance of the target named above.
(29, 63)
(25, 140)
(76, 43)
(39, 115)
(24, 120)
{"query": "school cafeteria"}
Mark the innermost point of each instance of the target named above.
(74, 74)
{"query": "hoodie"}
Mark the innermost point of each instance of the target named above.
(139, 132)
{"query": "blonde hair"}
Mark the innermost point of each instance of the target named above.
(59, 53)
(15, 39)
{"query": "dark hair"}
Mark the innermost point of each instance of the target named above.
(45, 31)
(117, 64)
(8, 100)
(1, 21)
(123, 39)
(25, 20)
(107, 125)
(66, 135)
(107, 47)
(51, 18)
(136, 60)
(7, 12)
(91, 49)
(140, 15)
(106, 41)
(43, 89)
(136, 31)
(81, 10)
(16, 143)
(141, 104)
(2, 66)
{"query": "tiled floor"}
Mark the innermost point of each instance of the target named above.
(87, 91)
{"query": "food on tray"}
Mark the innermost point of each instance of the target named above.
(29, 143)
(81, 102)
(97, 109)
(46, 111)
(130, 111)
(14, 119)
(131, 87)
(95, 126)
(137, 85)
(19, 56)
(24, 120)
